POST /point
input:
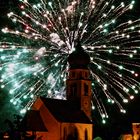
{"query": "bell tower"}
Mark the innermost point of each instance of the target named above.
(78, 81)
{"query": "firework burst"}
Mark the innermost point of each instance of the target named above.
(33, 57)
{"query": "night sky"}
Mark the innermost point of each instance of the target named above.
(6, 110)
(117, 121)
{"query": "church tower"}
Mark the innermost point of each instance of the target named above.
(78, 82)
(65, 119)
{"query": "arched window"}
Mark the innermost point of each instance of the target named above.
(85, 89)
(86, 75)
(73, 89)
(73, 135)
(86, 135)
(65, 134)
(73, 74)
(80, 75)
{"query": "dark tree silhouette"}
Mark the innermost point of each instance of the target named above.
(14, 129)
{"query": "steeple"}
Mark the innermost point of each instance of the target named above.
(79, 59)
(78, 82)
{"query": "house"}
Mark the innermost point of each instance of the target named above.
(136, 133)
(70, 119)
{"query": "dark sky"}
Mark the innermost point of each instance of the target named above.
(118, 121)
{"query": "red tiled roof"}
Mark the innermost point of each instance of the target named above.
(33, 122)
(65, 111)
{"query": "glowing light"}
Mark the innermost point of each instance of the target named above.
(104, 121)
(2, 86)
(93, 107)
(120, 67)
(123, 111)
(131, 97)
(136, 75)
(136, 91)
(130, 22)
(23, 111)
(125, 100)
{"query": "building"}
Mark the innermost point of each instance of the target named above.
(53, 119)
(136, 133)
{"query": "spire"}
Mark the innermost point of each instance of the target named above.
(78, 82)
(79, 59)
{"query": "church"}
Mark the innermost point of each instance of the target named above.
(70, 119)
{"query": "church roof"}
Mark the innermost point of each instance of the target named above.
(32, 121)
(65, 110)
